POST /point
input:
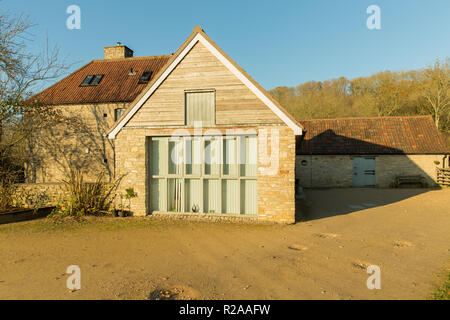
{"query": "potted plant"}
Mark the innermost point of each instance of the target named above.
(129, 194)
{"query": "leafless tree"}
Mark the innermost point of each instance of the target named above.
(21, 74)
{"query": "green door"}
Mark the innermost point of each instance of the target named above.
(364, 172)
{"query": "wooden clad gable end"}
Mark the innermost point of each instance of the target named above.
(235, 103)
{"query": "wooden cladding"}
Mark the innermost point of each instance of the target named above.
(235, 104)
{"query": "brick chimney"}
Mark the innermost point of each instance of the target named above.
(118, 51)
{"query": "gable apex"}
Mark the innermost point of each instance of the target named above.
(199, 35)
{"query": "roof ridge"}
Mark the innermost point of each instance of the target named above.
(364, 118)
(133, 58)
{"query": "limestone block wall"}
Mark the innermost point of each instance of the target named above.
(130, 147)
(276, 177)
(324, 171)
(389, 166)
(85, 145)
(276, 180)
(50, 194)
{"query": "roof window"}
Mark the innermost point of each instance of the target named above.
(92, 80)
(145, 77)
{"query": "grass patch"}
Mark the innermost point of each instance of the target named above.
(443, 293)
(99, 224)
(77, 224)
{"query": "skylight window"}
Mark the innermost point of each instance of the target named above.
(87, 80)
(145, 77)
(92, 80)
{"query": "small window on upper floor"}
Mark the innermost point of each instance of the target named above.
(118, 113)
(145, 77)
(200, 108)
(92, 80)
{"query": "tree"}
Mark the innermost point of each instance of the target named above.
(22, 73)
(386, 93)
(436, 91)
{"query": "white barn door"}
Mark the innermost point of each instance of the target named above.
(364, 172)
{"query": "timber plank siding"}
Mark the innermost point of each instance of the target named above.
(235, 103)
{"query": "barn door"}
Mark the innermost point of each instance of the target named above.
(364, 172)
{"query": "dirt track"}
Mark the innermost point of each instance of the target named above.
(405, 232)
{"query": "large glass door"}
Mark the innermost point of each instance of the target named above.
(212, 174)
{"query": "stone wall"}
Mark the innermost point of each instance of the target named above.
(204, 217)
(84, 146)
(43, 194)
(323, 171)
(276, 179)
(50, 194)
(130, 149)
(387, 167)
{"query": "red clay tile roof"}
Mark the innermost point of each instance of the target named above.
(381, 135)
(116, 85)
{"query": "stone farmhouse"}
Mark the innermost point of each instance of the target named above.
(193, 134)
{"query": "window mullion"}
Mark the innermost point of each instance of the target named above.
(165, 196)
(182, 157)
(220, 174)
(238, 171)
(183, 194)
(202, 194)
(166, 159)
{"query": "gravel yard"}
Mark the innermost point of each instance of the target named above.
(406, 232)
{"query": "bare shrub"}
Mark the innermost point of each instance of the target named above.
(22, 73)
(87, 198)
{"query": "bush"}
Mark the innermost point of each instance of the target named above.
(87, 198)
(7, 192)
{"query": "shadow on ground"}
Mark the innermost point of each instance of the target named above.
(325, 203)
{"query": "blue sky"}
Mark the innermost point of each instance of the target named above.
(278, 42)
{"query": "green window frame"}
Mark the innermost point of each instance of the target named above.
(188, 174)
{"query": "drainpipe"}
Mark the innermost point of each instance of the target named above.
(443, 161)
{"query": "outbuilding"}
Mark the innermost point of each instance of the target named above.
(370, 152)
